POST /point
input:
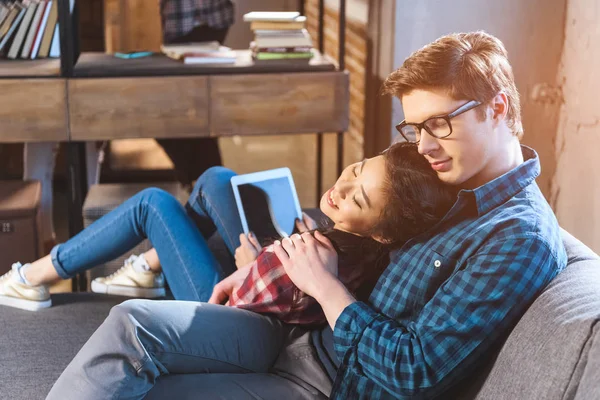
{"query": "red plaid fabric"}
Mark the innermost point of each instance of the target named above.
(179, 17)
(269, 290)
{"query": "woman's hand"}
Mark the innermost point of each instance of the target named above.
(310, 261)
(306, 223)
(223, 290)
(248, 251)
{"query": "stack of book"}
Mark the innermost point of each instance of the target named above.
(29, 29)
(200, 53)
(279, 37)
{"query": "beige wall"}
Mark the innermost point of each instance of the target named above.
(532, 31)
(576, 186)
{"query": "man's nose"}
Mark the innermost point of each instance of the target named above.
(428, 143)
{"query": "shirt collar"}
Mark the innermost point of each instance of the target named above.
(501, 189)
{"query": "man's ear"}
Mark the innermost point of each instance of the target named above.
(499, 107)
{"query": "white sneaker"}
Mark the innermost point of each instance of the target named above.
(15, 293)
(131, 281)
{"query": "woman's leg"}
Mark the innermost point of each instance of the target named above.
(142, 340)
(190, 268)
(212, 207)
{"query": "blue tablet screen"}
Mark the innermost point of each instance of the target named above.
(269, 207)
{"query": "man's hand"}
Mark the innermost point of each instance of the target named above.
(310, 261)
(248, 251)
(223, 290)
(306, 223)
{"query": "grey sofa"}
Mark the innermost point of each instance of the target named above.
(552, 353)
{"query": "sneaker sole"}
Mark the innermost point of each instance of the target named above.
(98, 287)
(24, 304)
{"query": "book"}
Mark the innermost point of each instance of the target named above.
(293, 49)
(177, 50)
(22, 31)
(282, 56)
(271, 16)
(40, 31)
(8, 21)
(35, 23)
(55, 46)
(12, 29)
(298, 23)
(49, 31)
(4, 10)
(228, 57)
(280, 33)
(303, 41)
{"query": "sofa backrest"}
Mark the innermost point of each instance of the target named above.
(554, 350)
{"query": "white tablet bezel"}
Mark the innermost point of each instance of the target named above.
(258, 177)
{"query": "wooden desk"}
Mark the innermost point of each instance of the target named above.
(114, 99)
(32, 101)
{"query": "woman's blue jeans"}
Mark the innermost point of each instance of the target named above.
(177, 233)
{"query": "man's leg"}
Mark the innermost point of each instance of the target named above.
(232, 387)
(142, 340)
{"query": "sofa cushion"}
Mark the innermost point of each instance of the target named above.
(35, 347)
(554, 350)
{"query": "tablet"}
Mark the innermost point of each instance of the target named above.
(267, 203)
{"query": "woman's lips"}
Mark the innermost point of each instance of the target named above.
(441, 166)
(329, 200)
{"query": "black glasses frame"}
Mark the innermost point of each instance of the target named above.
(460, 110)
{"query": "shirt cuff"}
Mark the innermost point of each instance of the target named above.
(350, 326)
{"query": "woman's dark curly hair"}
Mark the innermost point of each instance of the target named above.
(416, 198)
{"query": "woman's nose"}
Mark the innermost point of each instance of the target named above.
(343, 188)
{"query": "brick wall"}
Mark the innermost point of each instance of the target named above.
(356, 60)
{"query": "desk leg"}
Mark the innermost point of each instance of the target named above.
(340, 152)
(77, 180)
(319, 179)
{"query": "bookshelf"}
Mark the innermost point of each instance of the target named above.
(91, 96)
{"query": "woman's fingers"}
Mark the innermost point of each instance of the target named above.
(310, 223)
(323, 240)
(254, 241)
(243, 239)
(301, 225)
(280, 252)
(218, 295)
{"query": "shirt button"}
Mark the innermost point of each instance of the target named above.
(437, 263)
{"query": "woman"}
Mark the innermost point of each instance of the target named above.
(385, 200)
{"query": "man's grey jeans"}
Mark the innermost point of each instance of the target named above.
(235, 354)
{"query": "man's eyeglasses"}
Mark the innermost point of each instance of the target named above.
(439, 126)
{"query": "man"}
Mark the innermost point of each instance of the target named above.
(187, 21)
(446, 299)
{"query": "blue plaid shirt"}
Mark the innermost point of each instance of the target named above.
(449, 295)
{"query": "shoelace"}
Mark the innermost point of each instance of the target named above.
(13, 269)
(128, 262)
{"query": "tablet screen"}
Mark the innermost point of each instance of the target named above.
(269, 207)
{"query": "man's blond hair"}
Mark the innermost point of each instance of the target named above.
(469, 66)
